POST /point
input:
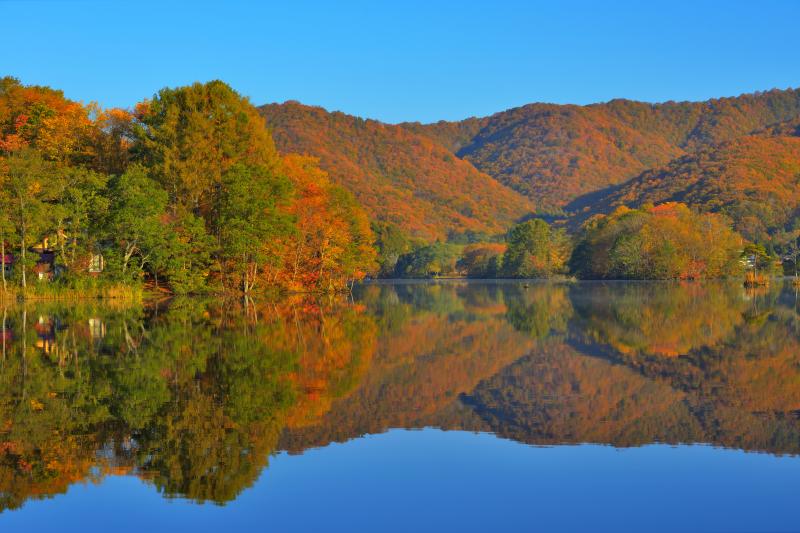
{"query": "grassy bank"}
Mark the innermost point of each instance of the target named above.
(73, 291)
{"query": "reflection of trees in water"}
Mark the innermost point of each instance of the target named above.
(424, 361)
(638, 368)
(194, 396)
(558, 395)
(540, 310)
(665, 319)
(738, 356)
(191, 397)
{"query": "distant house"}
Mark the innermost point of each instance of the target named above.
(45, 267)
(8, 263)
(97, 263)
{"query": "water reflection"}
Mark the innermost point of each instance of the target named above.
(194, 396)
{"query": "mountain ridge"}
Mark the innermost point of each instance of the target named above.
(546, 159)
(399, 176)
(554, 153)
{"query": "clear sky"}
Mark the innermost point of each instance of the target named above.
(405, 60)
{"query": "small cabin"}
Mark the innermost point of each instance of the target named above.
(96, 264)
(45, 267)
(8, 263)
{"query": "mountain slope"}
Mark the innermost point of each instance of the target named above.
(397, 175)
(555, 153)
(754, 179)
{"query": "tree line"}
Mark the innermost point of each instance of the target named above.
(666, 241)
(186, 190)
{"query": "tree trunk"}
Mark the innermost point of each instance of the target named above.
(3, 267)
(321, 265)
(24, 347)
(74, 248)
(5, 315)
(22, 262)
(296, 267)
(126, 258)
(755, 268)
(254, 276)
(244, 274)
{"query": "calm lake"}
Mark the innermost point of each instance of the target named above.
(451, 406)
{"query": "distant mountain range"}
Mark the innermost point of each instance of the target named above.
(398, 175)
(739, 155)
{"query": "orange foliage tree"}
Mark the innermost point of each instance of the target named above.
(333, 242)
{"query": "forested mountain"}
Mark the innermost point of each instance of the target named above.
(176, 190)
(754, 179)
(554, 153)
(398, 176)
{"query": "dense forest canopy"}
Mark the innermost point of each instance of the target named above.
(554, 153)
(754, 179)
(668, 241)
(186, 189)
(399, 176)
(197, 190)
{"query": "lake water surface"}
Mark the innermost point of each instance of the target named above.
(451, 406)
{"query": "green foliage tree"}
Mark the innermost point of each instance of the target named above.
(136, 222)
(27, 183)
(535, 250)
(391, 243)
(757, 257)
(429, 261)
(186, 256)
(249, 219)
(189, 137)
(81, 206)
(789, 243)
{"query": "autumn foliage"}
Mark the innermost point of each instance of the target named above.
(752, 179)
(333, 242)
(668, 241)
(397, 175)
(556, 153)
(185, 191)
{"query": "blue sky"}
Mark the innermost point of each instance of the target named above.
(405, 60)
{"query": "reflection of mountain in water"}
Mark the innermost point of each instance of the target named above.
(194, 396)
